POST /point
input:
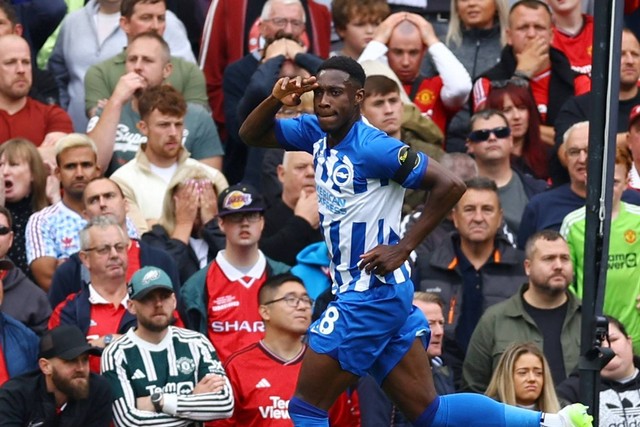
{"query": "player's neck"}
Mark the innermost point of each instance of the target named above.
(12, 106)
(72, 203)
(579, 188)
(285, 346)
(627, 91)
(335, 137)
(113, 291)
(570, 23)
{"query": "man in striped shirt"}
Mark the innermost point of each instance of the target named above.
(163, 375)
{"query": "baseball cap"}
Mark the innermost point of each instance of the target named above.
(634, 115)
(66, 342)
(240, 198)
(146, 280)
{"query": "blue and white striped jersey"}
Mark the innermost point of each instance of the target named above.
(359, 202)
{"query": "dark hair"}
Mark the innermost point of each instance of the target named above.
(349, 66)
(534, 152)
(548, 235)
(127, 6)
(10, 11)
(164, 98)
(486, 114)
(344, 11)
(618, 324)
(100, 178)
(481, 183)
(379, 85)
(7, 213)
(273, 283)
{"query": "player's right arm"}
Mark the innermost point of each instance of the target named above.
(258, 128)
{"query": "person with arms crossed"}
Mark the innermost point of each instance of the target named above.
(360, 193)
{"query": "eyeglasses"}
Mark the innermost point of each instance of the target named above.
(514, 81)
(106, 249)
(282, 22)
(292, 300)
(482, 135)
(575, 152)
(237, 218)
(4, 230)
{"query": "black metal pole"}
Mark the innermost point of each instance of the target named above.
(605, 85)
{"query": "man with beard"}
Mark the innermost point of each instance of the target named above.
(52, 233)
(62, 392)
(544, 312)
(161, 374)
(148, 64)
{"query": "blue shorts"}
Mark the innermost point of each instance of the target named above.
(370, 331)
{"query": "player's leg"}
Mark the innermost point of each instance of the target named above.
(320, 382)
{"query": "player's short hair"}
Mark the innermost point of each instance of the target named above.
(273, 283)
(379, 85)
(548, 235)
(127, 6)
(348, 65)
(166, 51)
(530, 4)
(428, 297)
(101, 178)
(74, 140)
(618, 324)
(623, 156)
(10, 11)
(345, 11)
(486, 115)
(164, 98)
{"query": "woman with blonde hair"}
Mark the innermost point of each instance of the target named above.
(188, 228)
(523, 378)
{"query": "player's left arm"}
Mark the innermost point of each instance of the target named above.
(444, 190)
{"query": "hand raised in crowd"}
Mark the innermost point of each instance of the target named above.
(211, 383)
(52, 187)
(127, 85)
(207, 202)
(307, 207)
(534, 58)
(427, 32)
(186, 207)
(384, 30)
(288, 89)
(283, 46)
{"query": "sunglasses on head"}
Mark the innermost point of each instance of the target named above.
(514, 81)
(482, 135)
(4, 230)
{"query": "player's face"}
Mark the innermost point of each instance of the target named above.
(15, 68)
(6, 239)
(527, 25)
(296, 174)
(145, 17)
(621, 365)
(103, 197)
(576, 153)
(242, 229)
(433, 313)
(283, 17)
(145, 57)
(476, 13)
(155, 311)
(517, 116)
(549, 267)
(164, 137)
(620, 182)
(477, 216)
(336, 102)
(76, 167)
(384, 112)
(283, 314)
(107, 258)
(494, 148)
(629, 61)
(69, 377)
(405, 54)
(528, 379)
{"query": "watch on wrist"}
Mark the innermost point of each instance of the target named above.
(156, 400)
(107, 339)
(521, 75)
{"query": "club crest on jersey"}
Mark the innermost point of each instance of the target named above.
(185, 365)
(342, 175)
(236, 200)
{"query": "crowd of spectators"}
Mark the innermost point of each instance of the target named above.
(126, 186)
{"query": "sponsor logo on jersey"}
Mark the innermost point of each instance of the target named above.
(332, 203)
(237, 326)
(182, 387)
(277, 410)
(630, 236)
(138, 375)
(224, 302)
(263, 383)
(185, 365)
(622, 261)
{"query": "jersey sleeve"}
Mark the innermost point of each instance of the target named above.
(38, 240)
(389, 158)
(298, 134)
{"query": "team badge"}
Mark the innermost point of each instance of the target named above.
(403, 155)
(425, 97)
(185, 365)
(236, 200)
(342, 175)
(630, 236)
(150, 277)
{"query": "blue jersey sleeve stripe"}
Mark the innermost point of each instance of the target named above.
(336, 255)
(381, 231)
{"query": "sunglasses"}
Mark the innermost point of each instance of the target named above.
(514, 81)
(4, 230)
(482, 135)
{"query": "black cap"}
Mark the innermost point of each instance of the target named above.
(66, 342)
(240, 198)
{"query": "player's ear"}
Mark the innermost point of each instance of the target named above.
(359, 97)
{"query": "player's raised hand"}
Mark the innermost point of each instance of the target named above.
(383, 259)
(288, 89)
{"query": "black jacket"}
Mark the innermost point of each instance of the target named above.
(24, 401)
